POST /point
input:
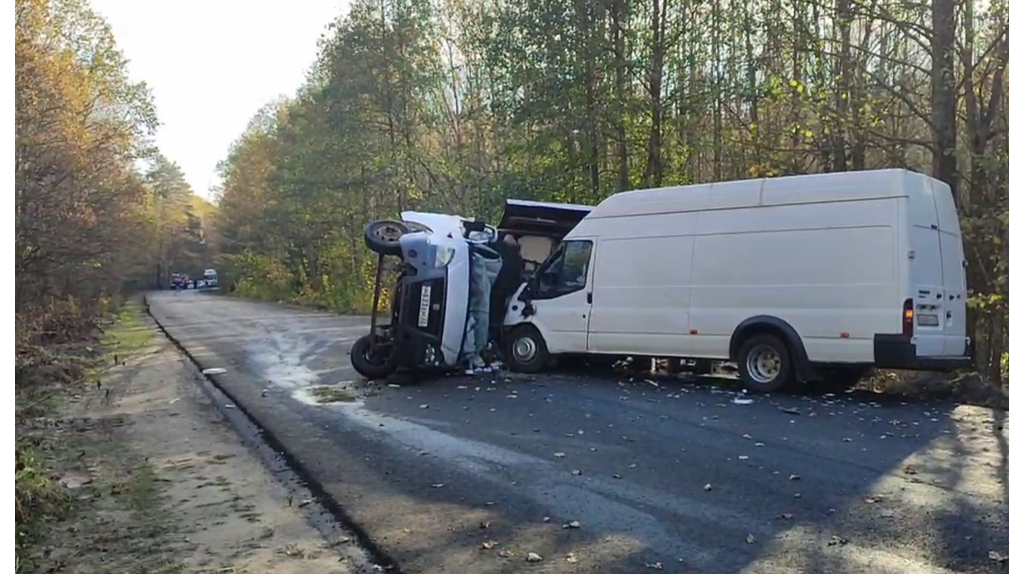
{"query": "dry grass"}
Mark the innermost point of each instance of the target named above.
(965, 388)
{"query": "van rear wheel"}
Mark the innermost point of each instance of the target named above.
(525, 350)
(765, 364)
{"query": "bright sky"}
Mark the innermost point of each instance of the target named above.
(212, 64)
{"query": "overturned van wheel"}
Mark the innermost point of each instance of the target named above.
(525, 350)
(764, 363)
(370, 361)
(383, 235)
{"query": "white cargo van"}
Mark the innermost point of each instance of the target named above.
(803, 278)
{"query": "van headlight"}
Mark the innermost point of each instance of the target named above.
(443, 255)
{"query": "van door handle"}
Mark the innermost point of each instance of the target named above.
(590, 298)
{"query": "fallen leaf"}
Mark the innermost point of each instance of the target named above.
(533, 557)
(837, 541)
(998, 556)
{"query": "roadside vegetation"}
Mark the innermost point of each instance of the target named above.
(99, 215)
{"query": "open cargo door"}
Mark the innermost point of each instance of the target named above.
(553, 220)
(539, 226)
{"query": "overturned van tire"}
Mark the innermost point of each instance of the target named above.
(765, 364)
(525, 350)
(383, 235)
(366, 364)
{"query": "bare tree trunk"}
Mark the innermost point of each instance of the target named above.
(619, 19)
(943, 94)
(654, 174)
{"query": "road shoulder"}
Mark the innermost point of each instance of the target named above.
(157, 480)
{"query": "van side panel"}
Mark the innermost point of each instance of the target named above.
(641, 288)
(827, 269)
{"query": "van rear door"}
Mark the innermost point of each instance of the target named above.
(954, 280)
(937, 284)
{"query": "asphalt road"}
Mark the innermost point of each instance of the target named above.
(607, 475)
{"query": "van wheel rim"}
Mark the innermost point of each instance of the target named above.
(763, 364)
(524, 349)
(387, 232)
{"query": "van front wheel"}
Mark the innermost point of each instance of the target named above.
(370, 360)
(764, 363)
(525, 350)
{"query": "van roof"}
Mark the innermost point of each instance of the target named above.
(815, 188)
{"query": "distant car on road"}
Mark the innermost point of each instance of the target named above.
(210, 278)
(178, 281)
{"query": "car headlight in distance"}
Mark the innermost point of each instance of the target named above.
(443, 255)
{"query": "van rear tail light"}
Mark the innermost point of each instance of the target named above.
(908, 318)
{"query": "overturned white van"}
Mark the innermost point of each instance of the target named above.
(803, 278)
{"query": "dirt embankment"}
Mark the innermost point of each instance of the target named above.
(151, 478)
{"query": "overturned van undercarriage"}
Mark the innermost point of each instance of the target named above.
(454, 282)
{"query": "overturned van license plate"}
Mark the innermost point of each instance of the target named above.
(424, 316)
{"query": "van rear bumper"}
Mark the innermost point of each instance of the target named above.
(898, 352)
